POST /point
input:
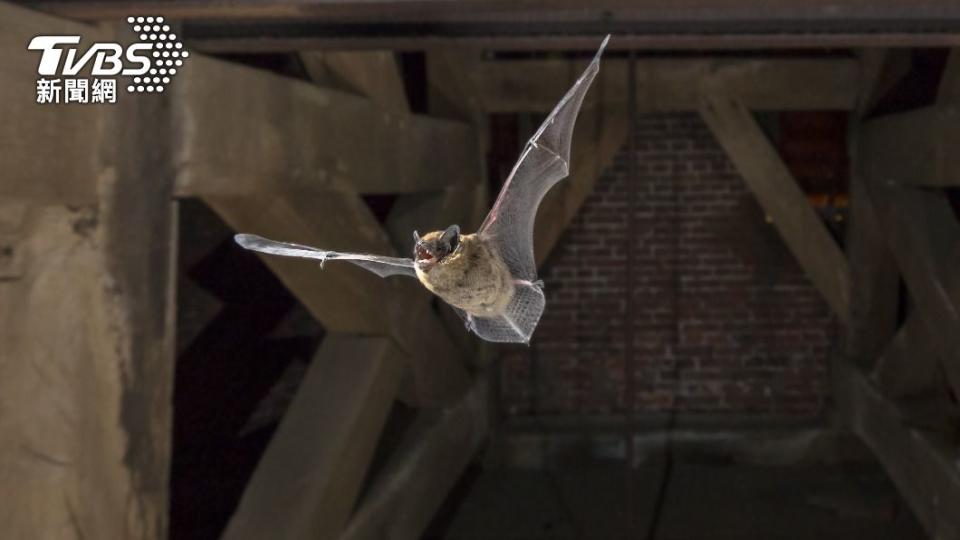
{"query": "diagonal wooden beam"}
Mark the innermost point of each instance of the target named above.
(372, 74)
(924, 236)
(874, 280)
(949, 90)
(307, 481)
(908, 365)
(251, 132)
(920, 463)
(414, 483)
(667, 85)
(772, 183)
(343, 298)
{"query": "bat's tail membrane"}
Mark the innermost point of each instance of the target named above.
(517, 323)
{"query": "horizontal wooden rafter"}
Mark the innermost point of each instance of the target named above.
(920, 463)
(253, 132)
(780, 196)
(674, 84)
(810, 14)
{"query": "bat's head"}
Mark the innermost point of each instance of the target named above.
(433, 247)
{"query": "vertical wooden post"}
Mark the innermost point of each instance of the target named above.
(86, 310)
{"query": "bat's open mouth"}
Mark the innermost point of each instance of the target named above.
(424, 256)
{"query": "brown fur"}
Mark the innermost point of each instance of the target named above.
(473, 278)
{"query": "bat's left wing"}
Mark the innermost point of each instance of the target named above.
(379, 265)
(545, 160)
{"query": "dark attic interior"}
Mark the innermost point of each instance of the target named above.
(752, 298)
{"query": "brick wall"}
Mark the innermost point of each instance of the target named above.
(723, 318)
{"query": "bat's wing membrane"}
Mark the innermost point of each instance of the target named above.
(379, 265)
(545, 160)
(518, 322)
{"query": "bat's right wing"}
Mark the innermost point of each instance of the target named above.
(379, 265)
(545, 160)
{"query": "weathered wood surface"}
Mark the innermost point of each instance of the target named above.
(345, 298)
(307, 481)
(342, 297)
(414, 483)
(778, 193)
(372, 74)
(50, 152)
(666, 85)
(874, 279)
(87, 327)
(250, 132)
(920, 463)
(909, 365)
(918, 147)
(924, 236)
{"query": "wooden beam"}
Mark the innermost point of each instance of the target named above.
(250, 132)
(778, 193)
(343, 298)
(810, 15)
(665, 85)
(372, 74)
(87, 408)
(920, 463)
(874, 279)
(307, 481)
(411, 487)
(909, 365)
(31, 133)
(928, 157)
(924, 236)
(880, 70)
(949, 90)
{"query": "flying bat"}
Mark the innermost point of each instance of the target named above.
(489, 277)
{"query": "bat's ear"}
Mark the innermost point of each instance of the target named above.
(416, 237)
(450, 235)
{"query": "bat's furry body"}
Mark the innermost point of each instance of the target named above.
(473, 278)
(489, 277)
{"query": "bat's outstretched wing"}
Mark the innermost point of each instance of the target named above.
(381, 266)
(545, 160)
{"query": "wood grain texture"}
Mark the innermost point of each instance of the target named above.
(248, 132)
(86, 366)
(32, 133)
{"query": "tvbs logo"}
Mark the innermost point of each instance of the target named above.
(149, 65)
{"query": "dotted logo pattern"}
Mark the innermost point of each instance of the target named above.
(166, 57)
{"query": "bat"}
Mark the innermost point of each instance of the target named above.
(490, 276)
